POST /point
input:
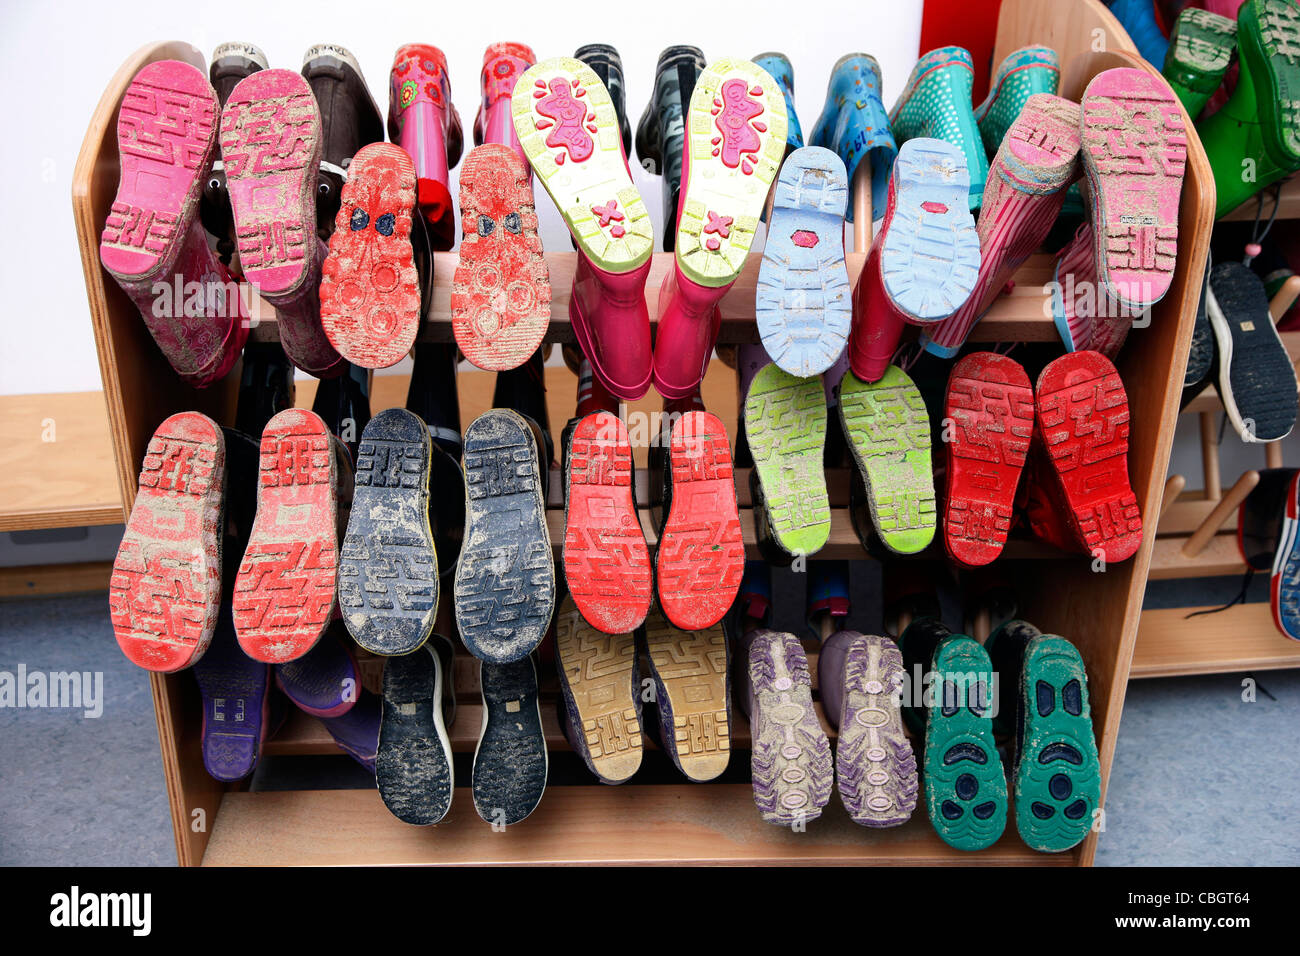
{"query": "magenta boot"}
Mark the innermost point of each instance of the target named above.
(153, 243)
(728, 168)
(569, 130)
(612, 325)
(503, 64)
(271, 146)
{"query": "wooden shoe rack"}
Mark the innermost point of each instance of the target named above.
(215, 824)
(1196, 531)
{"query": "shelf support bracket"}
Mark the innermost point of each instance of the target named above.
(1226, 506)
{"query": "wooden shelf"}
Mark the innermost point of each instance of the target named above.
(1022, 315)
(671, 824)
(65, 483)
(1240, 638)
(41, 580)
(700, 823)
(1220, 557)
(303, 734)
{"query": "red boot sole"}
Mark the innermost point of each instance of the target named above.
(701, 556)
(501, 291)
(166, 133)
(1083, 415)
(991, 405)
(271, 147)
(370, 290)
(165, 591)
(284, 592)
(606, 561)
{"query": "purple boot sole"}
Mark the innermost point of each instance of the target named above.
(791, 757)
(874, 763)
(325, 681)
(236, 701)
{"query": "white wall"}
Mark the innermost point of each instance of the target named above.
(50, 91)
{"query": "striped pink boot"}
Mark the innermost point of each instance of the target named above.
(1026, 187)
(1074, 290)
(1088, 317)
(153, 243)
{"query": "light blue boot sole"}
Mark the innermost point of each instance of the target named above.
(931, 254)
(804, 301)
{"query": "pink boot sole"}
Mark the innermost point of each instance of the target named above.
(1134, 153)
(166, 133)
(271, 146)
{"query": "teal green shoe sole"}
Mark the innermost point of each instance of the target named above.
(965, 788)
(1058, 775)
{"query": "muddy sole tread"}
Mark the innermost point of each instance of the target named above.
(606, 559)
(785, 428)
(510, 764)
(505, 578)
(692, 667)
(889, 433)
(413, 765)
(165, 588)
(598, 671)
(388, 566)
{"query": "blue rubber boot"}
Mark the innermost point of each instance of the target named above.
(1138, 18)
(855, 125)
(778, 65)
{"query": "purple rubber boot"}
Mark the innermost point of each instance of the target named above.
(325, 681)
(861, 681)
(357, 731)
(791, 756)
(236, 692)
(235, 689)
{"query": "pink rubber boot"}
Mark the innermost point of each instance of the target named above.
(1038, 159)
(611, 322)
(503, 64)
(1134, 156)
(729, 164)
(569, 131)
(271, 147)
(925, 260)
(877, 322)
(423, 121)
(153, 243)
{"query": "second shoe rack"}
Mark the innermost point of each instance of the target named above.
(216, 824)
